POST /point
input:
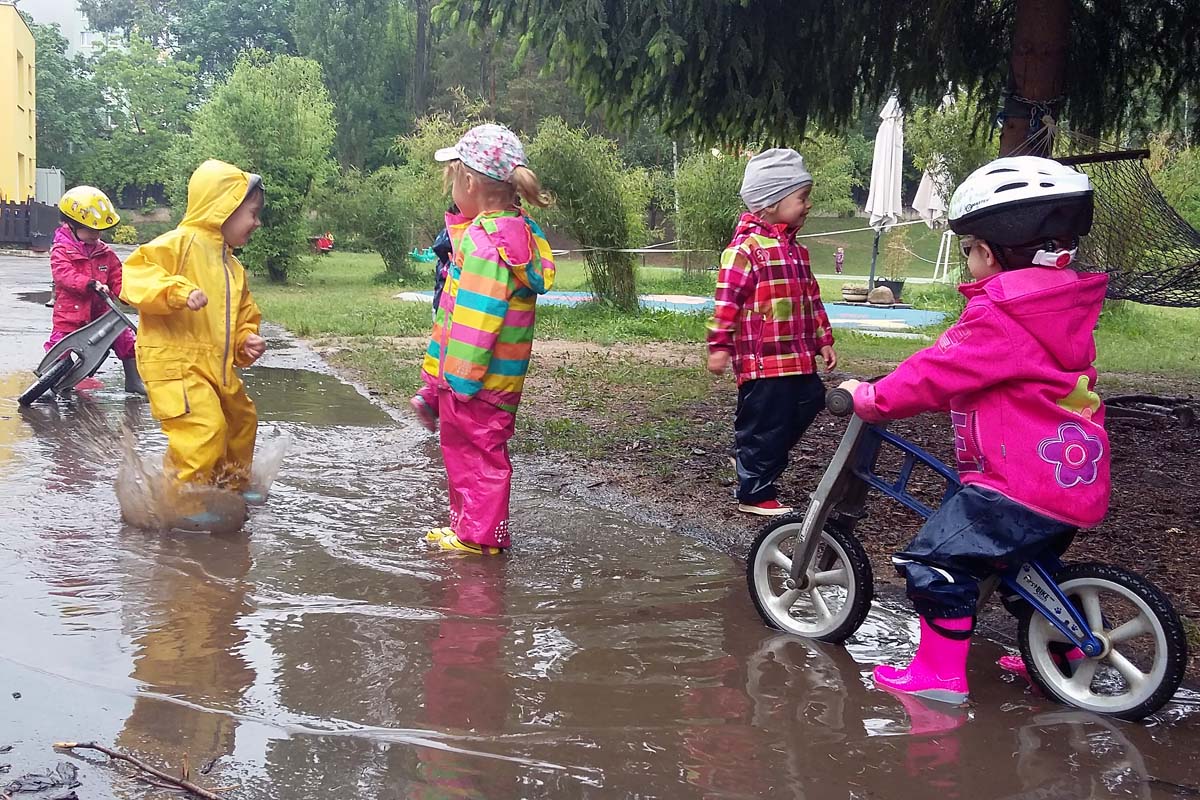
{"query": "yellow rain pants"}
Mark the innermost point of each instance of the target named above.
(187, 358)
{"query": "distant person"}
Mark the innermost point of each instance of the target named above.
(1016, 373)
(444, 252)
(769, 321)
(84, 267)
(839, 257)
(198, 322)
(483, 333)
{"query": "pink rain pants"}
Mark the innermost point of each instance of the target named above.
(478, 473)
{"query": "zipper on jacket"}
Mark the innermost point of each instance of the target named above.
(225, 359)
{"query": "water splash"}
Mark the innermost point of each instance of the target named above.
(150, 498)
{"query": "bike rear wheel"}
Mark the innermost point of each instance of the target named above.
(841, 583)
(1145, 652)
(45, 382)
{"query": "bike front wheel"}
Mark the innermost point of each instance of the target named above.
(45, 382)
(841, 585)
(1145, 647)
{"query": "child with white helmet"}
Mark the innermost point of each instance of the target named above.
(1016, 374)
(84, 267)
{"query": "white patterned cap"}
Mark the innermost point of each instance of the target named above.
(492, 150)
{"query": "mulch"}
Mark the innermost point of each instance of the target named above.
(1153, 525)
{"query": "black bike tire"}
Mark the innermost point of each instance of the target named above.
(1159, 605)
(52, 376)
(856, 561)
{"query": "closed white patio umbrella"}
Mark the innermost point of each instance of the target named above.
(884, 207)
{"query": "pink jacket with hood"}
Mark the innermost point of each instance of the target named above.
(1015, 373)
(73, 265)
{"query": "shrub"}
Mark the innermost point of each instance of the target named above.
(125, 234)
(271, 116)
(600, 202)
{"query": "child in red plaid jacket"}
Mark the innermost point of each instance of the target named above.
(770, 322)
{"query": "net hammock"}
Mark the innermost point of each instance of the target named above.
(1151, 254)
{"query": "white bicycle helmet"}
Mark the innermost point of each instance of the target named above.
(1022, 200)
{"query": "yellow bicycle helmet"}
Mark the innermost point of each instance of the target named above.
(90, 207)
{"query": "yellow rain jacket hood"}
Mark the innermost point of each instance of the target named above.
(180, 350)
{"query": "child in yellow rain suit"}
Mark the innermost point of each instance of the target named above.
(197, 321)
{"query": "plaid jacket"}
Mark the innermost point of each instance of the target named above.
(768, 311)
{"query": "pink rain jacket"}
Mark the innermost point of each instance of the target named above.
(1015, 373)
(73, 264)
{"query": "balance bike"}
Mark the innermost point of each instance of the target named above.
(809, 576)
(78, 354)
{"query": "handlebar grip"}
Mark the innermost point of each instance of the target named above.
(839, 402)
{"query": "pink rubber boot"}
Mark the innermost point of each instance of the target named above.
(939, 669)
(1016, 664)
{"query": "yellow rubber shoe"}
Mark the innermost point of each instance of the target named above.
(437, 534)
(452, 542)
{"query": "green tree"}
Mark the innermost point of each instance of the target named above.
(1177, 174)
(952, 139)
(709, 182)
(831, 163)
(271, 116)
(364, 48)
(69, 103)
(376, 209)
(709, 203)
(600, 203)
(148, 104)
(729, 70)
(212, 33)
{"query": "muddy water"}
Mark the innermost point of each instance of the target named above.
(324, 652)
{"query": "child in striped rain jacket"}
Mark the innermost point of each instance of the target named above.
(478, 354)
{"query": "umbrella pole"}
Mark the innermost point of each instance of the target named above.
(874, 258)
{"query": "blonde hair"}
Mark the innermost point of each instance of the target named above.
(523, 183)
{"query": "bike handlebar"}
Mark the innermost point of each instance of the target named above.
(839, 402)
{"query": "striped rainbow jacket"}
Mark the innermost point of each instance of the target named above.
(483, 332)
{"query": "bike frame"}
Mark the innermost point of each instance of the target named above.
(840, 499)
(88, 346)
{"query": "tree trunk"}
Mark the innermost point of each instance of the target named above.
(1037, 67)
(421, 67)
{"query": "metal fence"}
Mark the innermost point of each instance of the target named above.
(30, 223)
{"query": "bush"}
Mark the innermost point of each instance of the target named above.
(600, 202)
(708, 185)
(271, 116)
(709, 204)
(125, 234)
(377, 209)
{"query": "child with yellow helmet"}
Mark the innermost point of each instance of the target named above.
(84, 268)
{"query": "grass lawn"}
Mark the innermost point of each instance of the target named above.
(346, 295)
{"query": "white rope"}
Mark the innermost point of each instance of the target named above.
(661, 247)
(857, 230)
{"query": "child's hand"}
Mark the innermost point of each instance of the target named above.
(97, 286)
(197, 300)
(849, 385)
(254, 347)
(830, 357)
(718, 362)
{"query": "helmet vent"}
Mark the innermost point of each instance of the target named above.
(1008, 187)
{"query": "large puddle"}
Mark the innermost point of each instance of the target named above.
(325, 652)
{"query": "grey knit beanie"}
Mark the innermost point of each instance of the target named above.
(771, 176)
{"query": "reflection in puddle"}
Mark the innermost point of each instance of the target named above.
(324, 646)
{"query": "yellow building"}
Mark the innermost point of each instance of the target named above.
(18, 122)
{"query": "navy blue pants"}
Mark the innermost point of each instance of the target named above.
(772, 414)
(975, 533)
